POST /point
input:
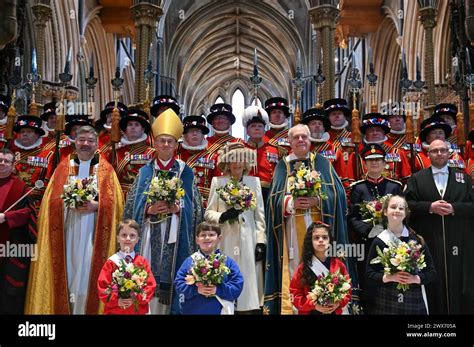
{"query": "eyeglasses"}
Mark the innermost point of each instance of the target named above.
(439, 151)
(131, 237)
(6, 161)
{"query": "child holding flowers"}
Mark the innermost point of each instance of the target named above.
(399, 264)
(126, 284)
(321, 284)
(208, 282)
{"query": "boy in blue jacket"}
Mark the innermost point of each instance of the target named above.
(195, 297)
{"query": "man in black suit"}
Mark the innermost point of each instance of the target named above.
(442, 208)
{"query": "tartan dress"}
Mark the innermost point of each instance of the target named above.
(388, 299)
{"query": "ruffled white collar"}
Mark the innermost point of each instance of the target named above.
(200, 147)
(220, 132)
(279, 126)
(125, 142)
(377, 142)
(324, 138)
(346, 123)
(27, 148)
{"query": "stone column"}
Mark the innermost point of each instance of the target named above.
(146, 15)
(324, 19)
(428, 19)
(42, 12)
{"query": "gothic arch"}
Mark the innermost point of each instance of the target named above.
(215, 44)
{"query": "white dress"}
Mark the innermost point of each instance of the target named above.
(240, 238)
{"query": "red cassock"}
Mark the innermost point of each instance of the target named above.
(111, 304)
(19, 228)
(299, 291)
(267, 159)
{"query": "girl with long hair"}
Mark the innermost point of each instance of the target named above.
(317, 260)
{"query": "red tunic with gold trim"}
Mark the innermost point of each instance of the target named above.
(267, 159)
(32, 165)
(469, 153)
(104, 138)
(395, 140)
(335, 157)
(341, 140)
(279, 139)
(397, 165)
(3, 142)
(204, 165)
(129, 161)
(215, 142)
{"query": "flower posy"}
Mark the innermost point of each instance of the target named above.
(77, 192)
(165, 188)
(330, 289)
(128, 281)
(371, 211)
(401, 256)
(237, 195)
(305, 183)
(208, 271)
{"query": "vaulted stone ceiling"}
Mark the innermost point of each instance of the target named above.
(209, 48)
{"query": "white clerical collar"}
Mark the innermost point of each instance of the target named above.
(324, 138)
(125, 142)
(377, 142)
(27, 148)
(108, 127)
(3, 121)
(399, 132)
(443, 170)
(346, 123)
(279, 126)
(292, 157)
(220, 132)
(163, 162)
(200, 147)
